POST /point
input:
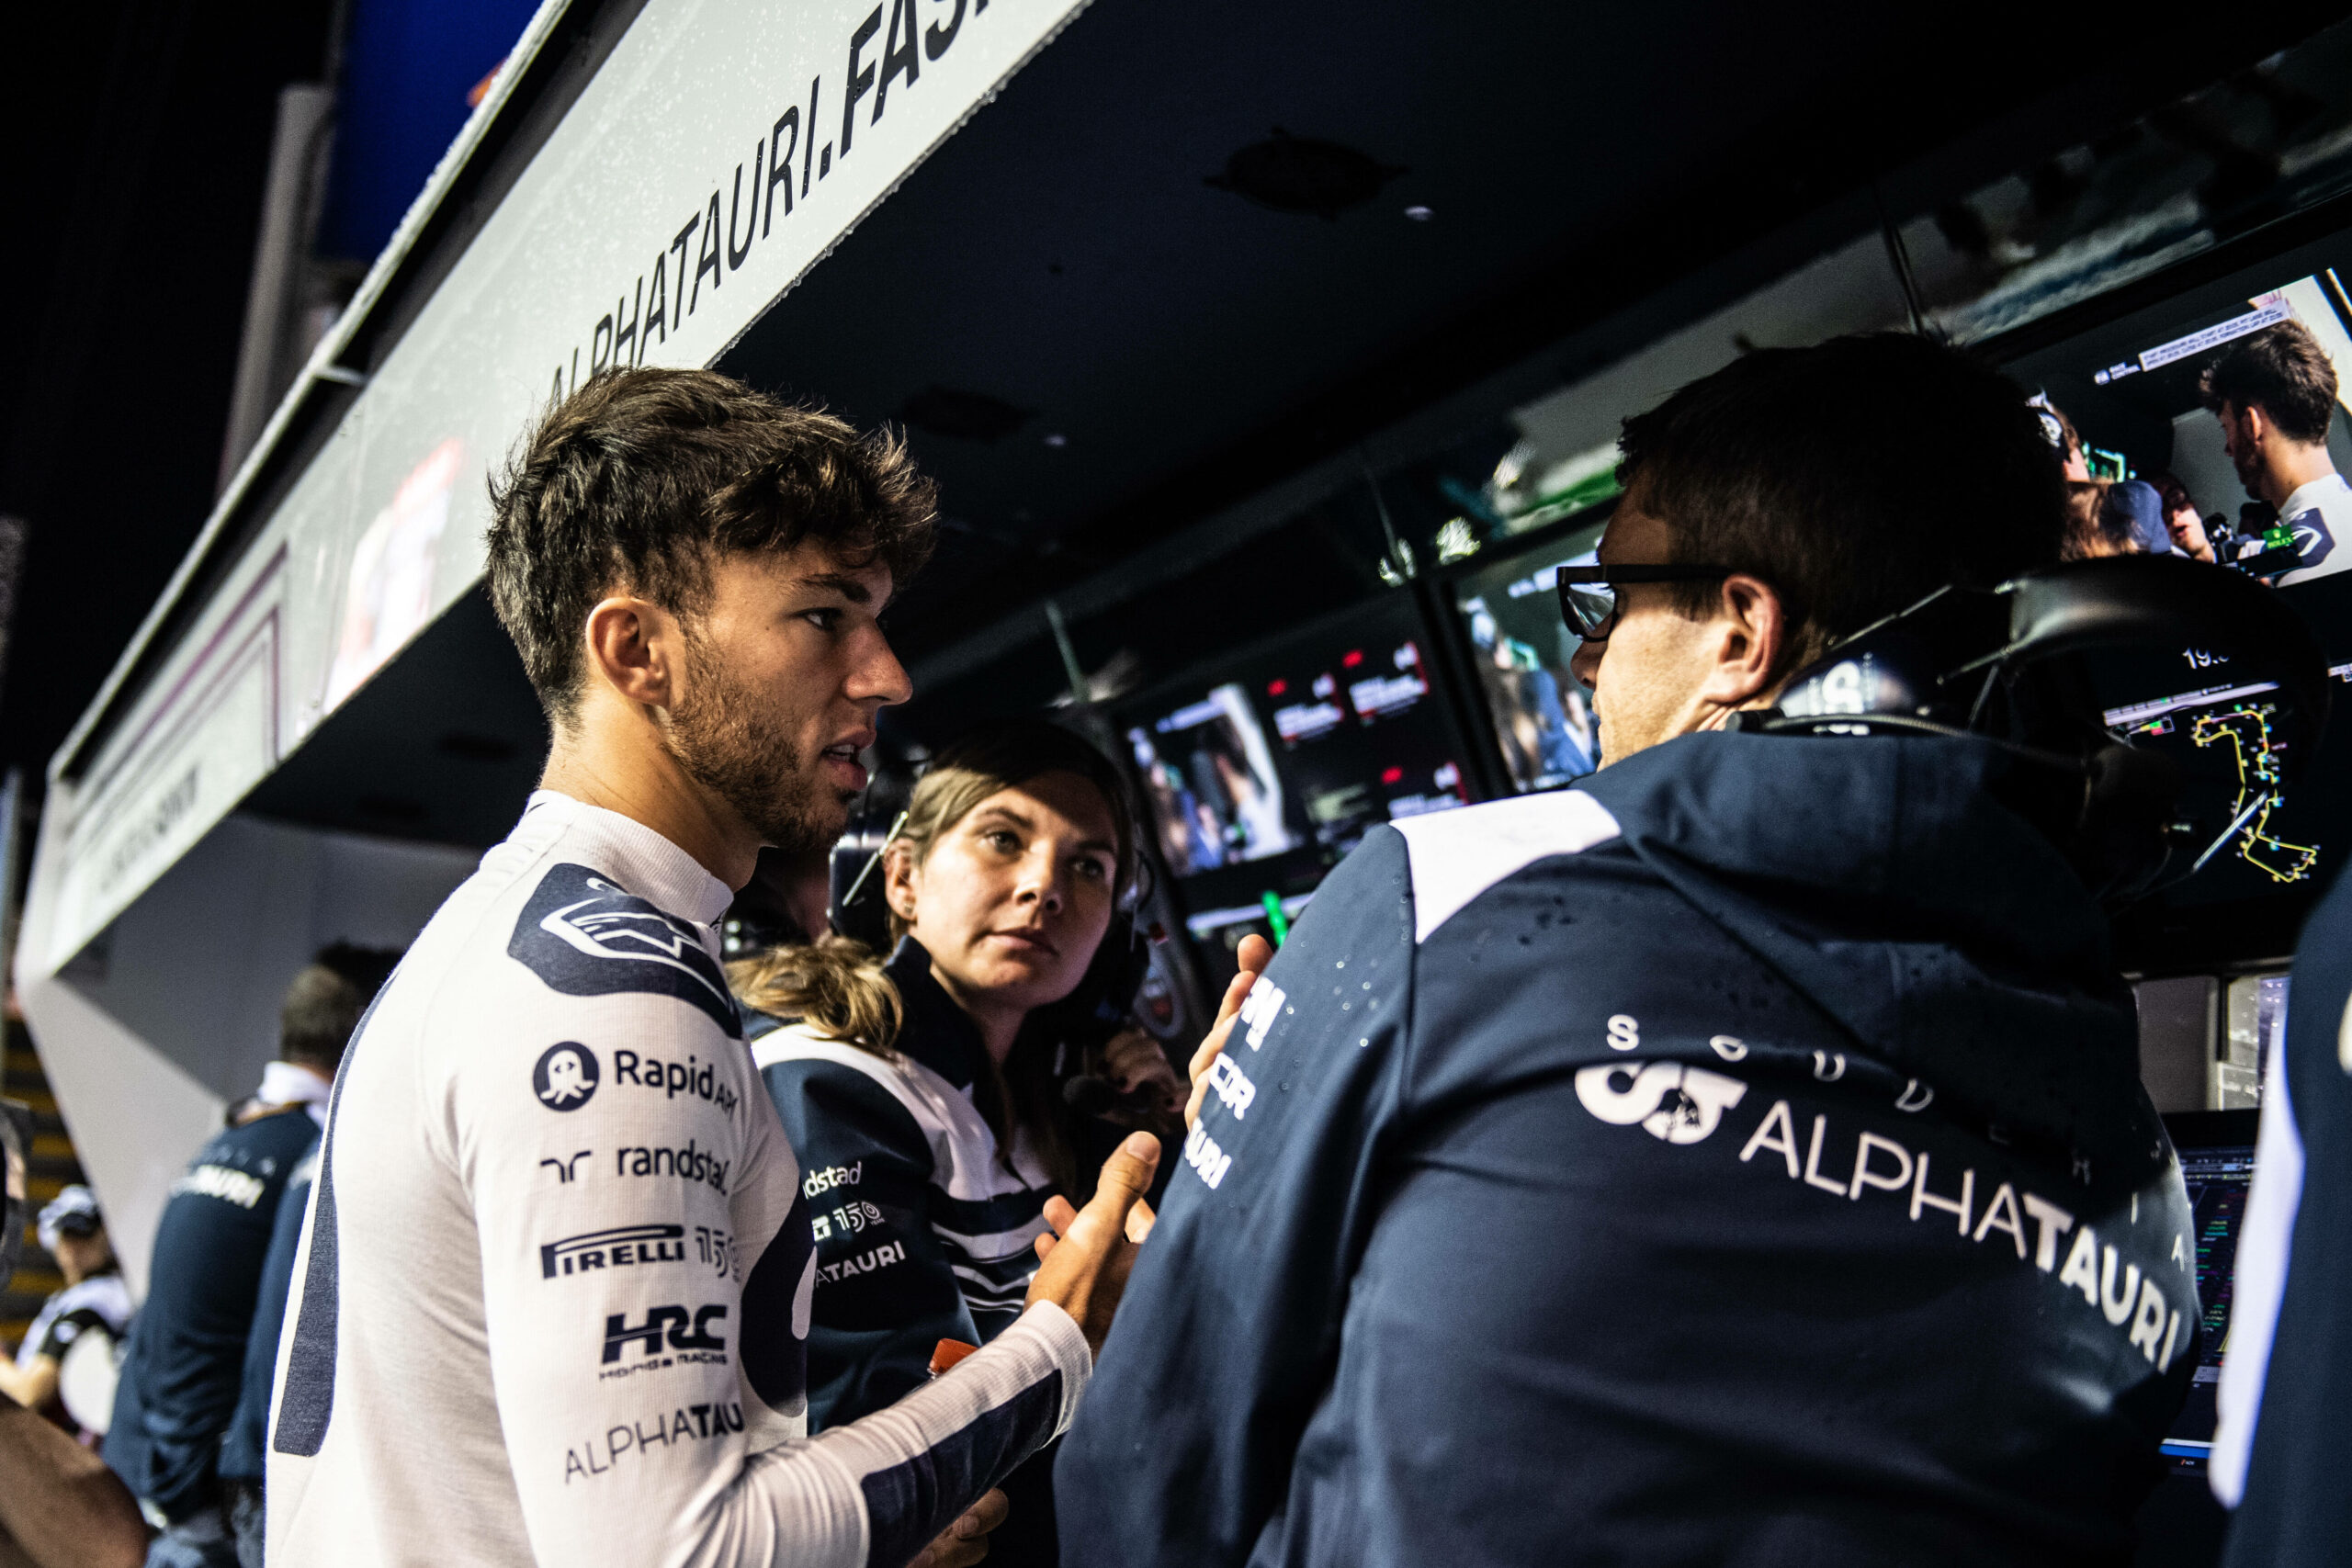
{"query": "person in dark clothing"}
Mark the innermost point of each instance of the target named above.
(925, 1095)
(95, 1303)
(188, 1367)
(244, 1449)
(1738, 1159)
(2286, 1390)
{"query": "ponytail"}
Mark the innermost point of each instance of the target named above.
(836, 986)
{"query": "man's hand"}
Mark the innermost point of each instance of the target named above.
(1254, 953)
(1085, 1259)
(965, 1541)
(1135, 1066)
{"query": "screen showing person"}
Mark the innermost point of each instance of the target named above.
(1214, 791)
(1541, 713)
(2274, 394)
(2225, 399)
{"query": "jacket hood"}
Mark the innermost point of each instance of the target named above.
(1901, 885)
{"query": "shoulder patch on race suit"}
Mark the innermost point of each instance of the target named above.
(2313, 540)
(587, 936)
(1456, 855)
(777, 1301)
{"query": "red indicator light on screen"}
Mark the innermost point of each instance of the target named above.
(1276, 688)
(1391, 775)
(1353, 656)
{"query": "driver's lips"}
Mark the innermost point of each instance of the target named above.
(840, 767)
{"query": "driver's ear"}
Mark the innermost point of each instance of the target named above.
(1754, 633)
(631, 647)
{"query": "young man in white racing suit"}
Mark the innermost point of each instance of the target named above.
(554, 1289)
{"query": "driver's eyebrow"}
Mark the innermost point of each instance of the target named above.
(840, 582)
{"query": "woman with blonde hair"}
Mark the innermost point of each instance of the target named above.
(924, 1093)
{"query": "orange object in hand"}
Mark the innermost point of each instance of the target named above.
(947, 1354)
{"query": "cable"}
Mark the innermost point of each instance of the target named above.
(1899, 258)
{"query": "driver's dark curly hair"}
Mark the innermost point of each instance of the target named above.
(640, 477)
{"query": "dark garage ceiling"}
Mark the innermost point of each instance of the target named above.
(1162, 349)
(1169, 347)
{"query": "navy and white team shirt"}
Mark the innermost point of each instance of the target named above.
(2286, 1392)
(1740, 1159)
(554, 1289)
(925, 1227)
(184, 1363)
(101, 1301)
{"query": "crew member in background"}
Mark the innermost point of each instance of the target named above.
(2286, 1389)
(244, 1448)
(74, 1232)
(2182, 520)
(2274, 392)
(184, 1370)
(1738, 1159)
(925, 1096)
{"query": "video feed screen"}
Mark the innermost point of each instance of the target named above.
(1304, 746)
(2267, 806)
(1542, 716)
(2134, 392)
(1215, 792)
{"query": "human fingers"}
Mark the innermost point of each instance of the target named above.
(1059, 1215)
(1086, 1272)
(1141, 1219)
(965, 1541)
(1126, 1178)
(1254, 953)
(948, 1552)
(982, 1517)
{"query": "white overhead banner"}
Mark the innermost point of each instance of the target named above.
(724, 147)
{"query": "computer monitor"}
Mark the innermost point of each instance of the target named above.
(2267, 809)
(2216, 1150)
(1519, 651)
(1265, 768)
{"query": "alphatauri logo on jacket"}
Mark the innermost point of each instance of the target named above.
(1672, 1101)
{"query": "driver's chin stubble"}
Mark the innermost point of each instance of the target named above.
(729, 745)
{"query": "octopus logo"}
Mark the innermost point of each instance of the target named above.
(566, 1078)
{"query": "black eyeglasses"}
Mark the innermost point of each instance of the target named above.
(1589, 593)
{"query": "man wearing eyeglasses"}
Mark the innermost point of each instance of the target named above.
(1738, 1159)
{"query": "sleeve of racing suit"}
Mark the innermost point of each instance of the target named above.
(885, 1294)
(645, 1419)
(1230, 1324)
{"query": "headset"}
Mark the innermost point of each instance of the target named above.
(2014, 664)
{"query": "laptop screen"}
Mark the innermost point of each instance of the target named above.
(2216, 1150)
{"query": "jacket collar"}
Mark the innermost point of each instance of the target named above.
(938, 1032)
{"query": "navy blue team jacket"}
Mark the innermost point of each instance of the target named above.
(1738, 1160)
(185, 1365)
(924, 1233)
(2297, 1511)
(244, 1448)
